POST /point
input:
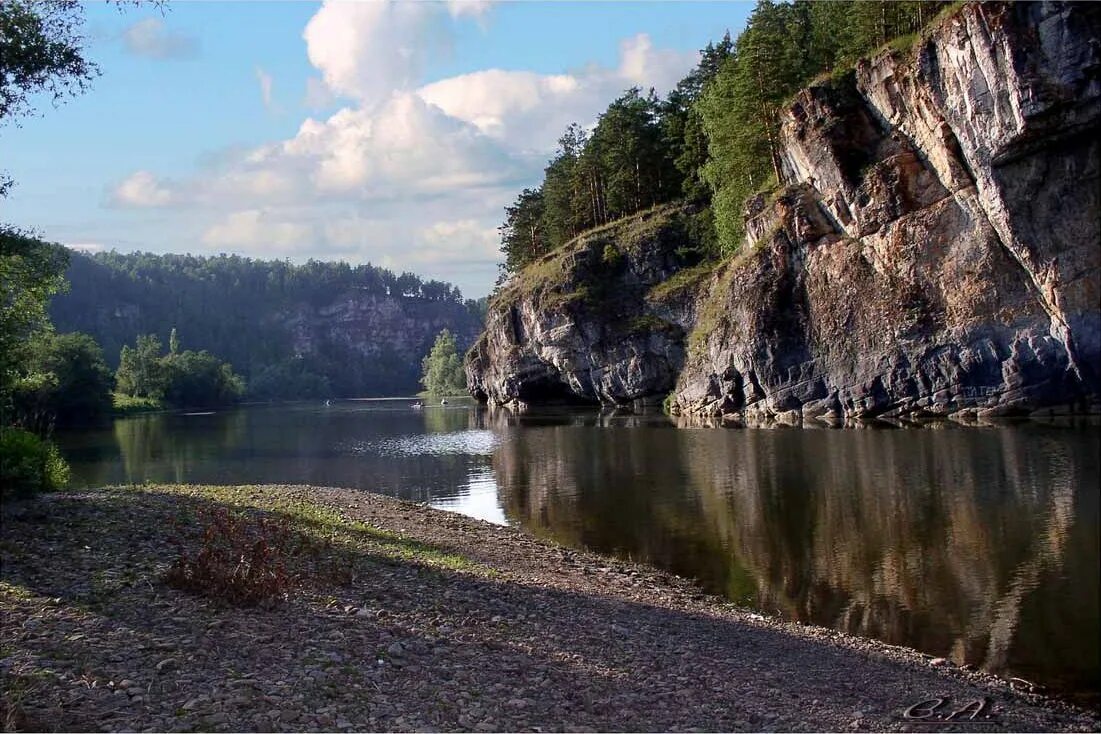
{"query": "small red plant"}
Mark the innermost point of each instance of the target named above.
(240, 559)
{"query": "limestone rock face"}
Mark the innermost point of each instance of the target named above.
(590, 323)
(936, 248)
(372, 326)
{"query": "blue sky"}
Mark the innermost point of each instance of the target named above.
(381, 132)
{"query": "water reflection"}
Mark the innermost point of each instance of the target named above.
(429, 455)
(977, 544)
(980, 545)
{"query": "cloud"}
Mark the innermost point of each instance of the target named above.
(474, 8)
(368, 50)
(645, 66)
(142, 189)
(258, 228)
(151, 39)
(354, 232)
(528, 111)
(462, 241)
(407, 148)
(404, 174)
(318, 96)
(265, 81)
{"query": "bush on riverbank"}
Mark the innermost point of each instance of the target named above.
(29, 464)
(64, 381)
(239, 560)
(129, 405)
(180, 379)
(247, 560)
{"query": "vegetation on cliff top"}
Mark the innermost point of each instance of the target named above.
(714, 138)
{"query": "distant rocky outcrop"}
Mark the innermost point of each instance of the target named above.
(935, 251)
(369, 327)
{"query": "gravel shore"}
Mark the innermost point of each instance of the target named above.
(443, 623)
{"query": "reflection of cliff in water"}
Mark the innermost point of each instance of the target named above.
(980, 545)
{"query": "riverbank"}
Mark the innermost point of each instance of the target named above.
(404, 617)
(124, 405)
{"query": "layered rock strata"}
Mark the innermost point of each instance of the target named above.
(935, 251)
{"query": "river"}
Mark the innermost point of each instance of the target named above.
(978, 544)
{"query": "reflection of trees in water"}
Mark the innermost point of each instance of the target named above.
(175, 441)
(438, 419)
(976, 544)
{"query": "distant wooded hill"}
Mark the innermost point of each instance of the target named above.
(294, 331)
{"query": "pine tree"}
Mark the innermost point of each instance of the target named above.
(522, 236)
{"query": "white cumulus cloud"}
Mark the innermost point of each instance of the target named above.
(529, 111)
(465, 240)
(257, 228)
(405, 174)
(366, 50)
(142, 189)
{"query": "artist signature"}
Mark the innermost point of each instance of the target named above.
(944, 712)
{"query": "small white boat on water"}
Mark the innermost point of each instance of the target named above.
(417, 406)
(443, 402)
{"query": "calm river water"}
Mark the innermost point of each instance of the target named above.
(975, 544)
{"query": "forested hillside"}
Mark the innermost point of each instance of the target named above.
(311, 330)
(713, 139)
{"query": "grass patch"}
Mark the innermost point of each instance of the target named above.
(687, 278)
(334, 535)
(130, 405)
(902, 45)
(18, 689)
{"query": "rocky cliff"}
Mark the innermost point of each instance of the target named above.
(601, 320)
(935, 251)
(378, 338)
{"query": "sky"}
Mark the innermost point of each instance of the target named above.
(386, 132)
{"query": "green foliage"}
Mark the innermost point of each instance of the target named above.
(130, 405)
(478, 307)
(688, 278)
(65, 381)
(522, 234)
(626, 165)
(141, 372)
(291, 379)
(181, 379)
(31, 271)
(40, 53)
(29, 464)
(239, 309)
(199, 379)
(683, 125)
(612, 256)
(782, 48)
(443, 367)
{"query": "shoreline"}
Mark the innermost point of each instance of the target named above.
(450, 623)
